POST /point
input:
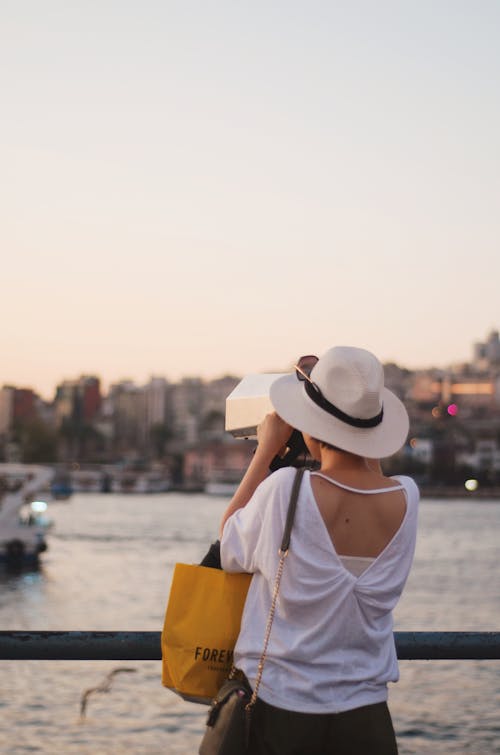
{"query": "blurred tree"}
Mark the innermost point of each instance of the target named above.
(78, 441)
(37, 441)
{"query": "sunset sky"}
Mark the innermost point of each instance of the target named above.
(197, 188)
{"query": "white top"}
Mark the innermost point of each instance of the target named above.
(332, 645)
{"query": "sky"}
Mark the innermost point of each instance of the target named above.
(203, 188)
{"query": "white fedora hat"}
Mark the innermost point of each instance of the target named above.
(345, 404)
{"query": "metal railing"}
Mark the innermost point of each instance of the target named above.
(145, 646)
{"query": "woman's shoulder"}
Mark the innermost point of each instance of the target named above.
(410, 486)
(278, 485)
(282, 478)
(274, 487)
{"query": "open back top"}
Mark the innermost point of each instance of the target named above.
(354, 561)
(331, 645)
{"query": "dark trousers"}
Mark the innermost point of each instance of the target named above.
(362, 731)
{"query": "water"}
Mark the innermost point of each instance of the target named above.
(109, 567)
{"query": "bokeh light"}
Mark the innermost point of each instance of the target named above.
(471, 485)
(452, 410)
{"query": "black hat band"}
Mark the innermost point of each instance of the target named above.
(317, 397)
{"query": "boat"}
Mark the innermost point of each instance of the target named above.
(61, 488)
(88, 481)
(129, 481)
(24, 490)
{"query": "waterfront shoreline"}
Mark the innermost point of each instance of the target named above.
(439, 491)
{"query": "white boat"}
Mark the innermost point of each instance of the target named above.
(24, 490)
(139, 482)
(87, 481)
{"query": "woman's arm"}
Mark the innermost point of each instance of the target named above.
(272, 435)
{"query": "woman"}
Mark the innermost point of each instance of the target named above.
(331, 652)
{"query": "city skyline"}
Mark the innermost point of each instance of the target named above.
(203, 190)
(492, 338)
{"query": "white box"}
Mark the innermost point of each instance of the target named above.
(248, 404)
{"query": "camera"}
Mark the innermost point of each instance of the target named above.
(248, 403)
(246, 407)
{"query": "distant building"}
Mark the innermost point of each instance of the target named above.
(6, 409)
(222, 461)
(128, 405)
(467, 390)
(90, 390)
(186, 406)
(488, 354)
(17, 405)
(24, 406)
(155, 393)
(216, 391)
(426, 386)
(397, 379)
(421, 450)
(78, 400)
(484, 459)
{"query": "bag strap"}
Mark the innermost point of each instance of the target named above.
(292, 506)
(283, 552)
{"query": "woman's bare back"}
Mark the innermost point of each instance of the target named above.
(360, 524)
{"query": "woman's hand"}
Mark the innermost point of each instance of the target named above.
(273, 434)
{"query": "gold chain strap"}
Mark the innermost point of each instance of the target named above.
(270, 618)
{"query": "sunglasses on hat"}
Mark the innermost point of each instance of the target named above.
(304, 366)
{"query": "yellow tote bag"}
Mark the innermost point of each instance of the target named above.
(202, 623)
